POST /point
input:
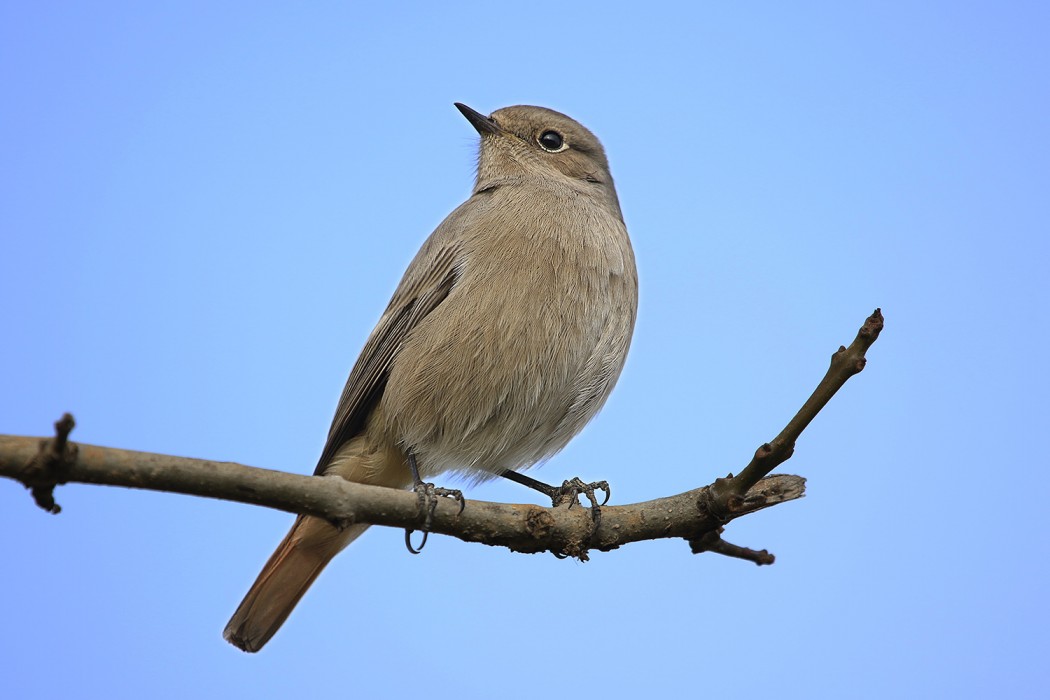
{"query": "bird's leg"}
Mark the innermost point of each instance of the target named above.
(569, 491)
(428, 495)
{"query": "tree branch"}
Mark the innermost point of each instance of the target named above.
(697, 516)
(725, 493)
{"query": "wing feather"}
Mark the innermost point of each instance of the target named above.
(421, 291)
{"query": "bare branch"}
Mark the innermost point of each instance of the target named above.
(698, 516)
(522, 528)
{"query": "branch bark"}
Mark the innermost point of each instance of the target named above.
(698, 516)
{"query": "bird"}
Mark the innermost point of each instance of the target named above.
(505, 336)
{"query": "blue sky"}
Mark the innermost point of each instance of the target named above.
(204, 209)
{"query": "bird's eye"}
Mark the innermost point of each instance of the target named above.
(552, 141)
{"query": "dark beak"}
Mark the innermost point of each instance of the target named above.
(484, 125)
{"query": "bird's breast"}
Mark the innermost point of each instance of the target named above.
(543, 307)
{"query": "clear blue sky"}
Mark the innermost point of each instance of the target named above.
(204, 209)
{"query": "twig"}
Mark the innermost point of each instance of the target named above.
(713, 542)
(727, 493)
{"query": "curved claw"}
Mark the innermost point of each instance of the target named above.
(454, 494)
(408, 541)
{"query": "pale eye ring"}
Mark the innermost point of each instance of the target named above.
(551, 141)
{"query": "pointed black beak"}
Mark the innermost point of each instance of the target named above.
(484, 125)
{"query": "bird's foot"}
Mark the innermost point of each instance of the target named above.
(428, 496)
(571, 489)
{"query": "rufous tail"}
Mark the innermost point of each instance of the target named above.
(301, 556)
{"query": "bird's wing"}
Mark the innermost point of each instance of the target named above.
(426, 284)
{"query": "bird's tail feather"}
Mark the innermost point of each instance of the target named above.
(297, 561)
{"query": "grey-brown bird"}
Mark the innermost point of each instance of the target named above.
(503, 339)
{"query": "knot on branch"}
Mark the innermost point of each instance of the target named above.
(719, 500)
(539, 523)
(47, 468)
(572, 542)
